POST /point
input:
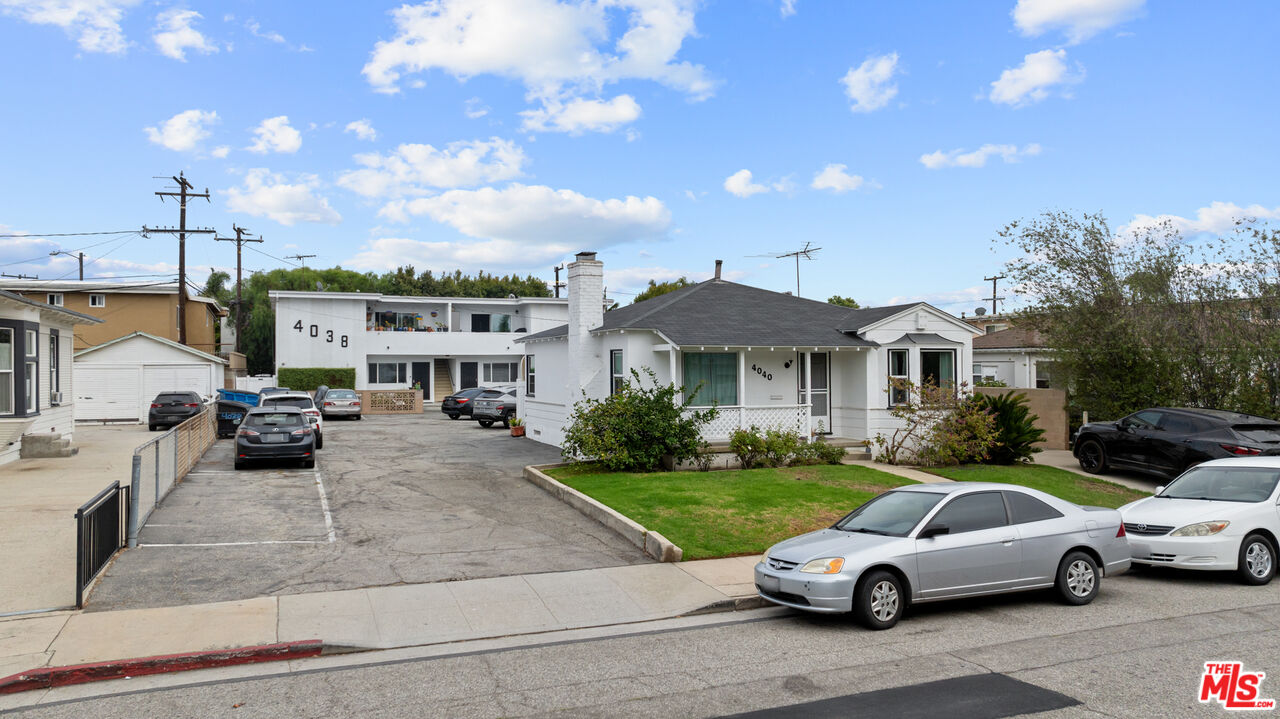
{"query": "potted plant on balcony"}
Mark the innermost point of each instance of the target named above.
(517, 427)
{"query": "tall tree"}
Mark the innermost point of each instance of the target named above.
(657, 289)
(843, 301)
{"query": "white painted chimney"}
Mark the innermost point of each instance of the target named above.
(586, 312)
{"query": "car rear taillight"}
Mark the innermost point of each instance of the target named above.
(328, 404)
(193, 404)
(355, 404)
(154, 405)
(301, 432)
(463, 400)
(1243, 451)
(246, 432)
(1120, 532)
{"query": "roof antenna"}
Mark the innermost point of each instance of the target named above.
(805, 252)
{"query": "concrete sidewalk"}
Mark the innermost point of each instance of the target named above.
(37, 519)
(382, 617)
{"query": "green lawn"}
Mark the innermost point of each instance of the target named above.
(736, 512)
(1058, 482)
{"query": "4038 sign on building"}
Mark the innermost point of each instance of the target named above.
(314, 331)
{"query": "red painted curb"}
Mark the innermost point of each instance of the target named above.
(49, 677)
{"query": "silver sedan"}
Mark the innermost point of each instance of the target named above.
(928, 542)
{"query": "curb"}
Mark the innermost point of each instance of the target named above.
(651, 543)
(50, 677)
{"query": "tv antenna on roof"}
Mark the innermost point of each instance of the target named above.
(805, 252)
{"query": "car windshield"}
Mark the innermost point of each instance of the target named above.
(490, 394)
(299, 402)
(892, 513)
(340, 394)
(1224, 484)
(469, 393)
(274, 419)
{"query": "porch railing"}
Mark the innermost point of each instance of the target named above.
(794, 417)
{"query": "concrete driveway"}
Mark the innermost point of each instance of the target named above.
(393, 500)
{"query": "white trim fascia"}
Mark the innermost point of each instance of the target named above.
(191, 350)
(915, 308)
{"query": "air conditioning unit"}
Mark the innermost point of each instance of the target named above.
(55, 398)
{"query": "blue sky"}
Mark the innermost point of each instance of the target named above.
(505, 135)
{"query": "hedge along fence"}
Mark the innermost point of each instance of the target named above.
(307, 379)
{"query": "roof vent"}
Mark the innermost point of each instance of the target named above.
(585, 256)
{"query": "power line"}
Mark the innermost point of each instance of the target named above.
(277, 259)
(240, 239)
(78, 249)
(67, 234)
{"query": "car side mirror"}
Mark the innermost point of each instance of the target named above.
(313, 420)
(934, 530)
(1159, 489)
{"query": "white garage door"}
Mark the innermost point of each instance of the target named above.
(175, 378)
(106, 392)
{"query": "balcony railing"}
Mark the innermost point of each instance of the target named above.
(793, 417)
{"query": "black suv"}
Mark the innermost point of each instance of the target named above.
(459, 403)
(1166, 441)
(170, 408)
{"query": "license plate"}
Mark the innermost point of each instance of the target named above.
(769, 584)
(273, 438)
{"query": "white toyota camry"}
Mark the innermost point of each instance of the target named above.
(1220, 515)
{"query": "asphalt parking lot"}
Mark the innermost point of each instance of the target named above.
(393, 499)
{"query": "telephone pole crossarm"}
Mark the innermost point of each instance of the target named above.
(185, 192)
(240, 239)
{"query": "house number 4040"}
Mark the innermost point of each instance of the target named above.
(762, 372)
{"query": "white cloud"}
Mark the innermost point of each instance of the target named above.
(1078, 19)
(957, 300)
(560, 51)
(635, 279)
(833, 177)
(363, 129)
(268, 194)
(174, 34)
(475, 109)
(978, 158)
(870, 85)
(1031, 81)
(221, 151)
(95, 22)
(1218, 218)
(255, 28)
(413, 169)
(276, 135)
(539, 215)
(184, 131)
(788, 8)
(387, 253)
(740, 184)
(579, 115)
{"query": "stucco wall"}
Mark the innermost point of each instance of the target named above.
(125, 313)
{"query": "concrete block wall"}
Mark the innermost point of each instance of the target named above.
(1051, 407)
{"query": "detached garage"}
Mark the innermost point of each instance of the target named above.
(117, 380)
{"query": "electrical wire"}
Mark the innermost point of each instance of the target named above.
(278, 259)
(67, 234)
(127, 240)
(78, 249)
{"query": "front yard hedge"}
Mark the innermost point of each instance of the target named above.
(307, 379)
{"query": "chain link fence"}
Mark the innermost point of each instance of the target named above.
(164, 461)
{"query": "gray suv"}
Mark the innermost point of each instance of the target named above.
(494, 406)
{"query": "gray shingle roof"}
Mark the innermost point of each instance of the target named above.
(718, 312)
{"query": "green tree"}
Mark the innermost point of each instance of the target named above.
(843, 302)
(657, 289)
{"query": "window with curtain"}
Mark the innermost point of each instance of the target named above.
(616, 376)
(529, 379)
(6, 370)
(938, 367)
(898, 370)
(717, 372)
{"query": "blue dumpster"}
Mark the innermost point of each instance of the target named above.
(230, 415)
(249, 398)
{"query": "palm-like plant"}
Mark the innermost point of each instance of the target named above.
(1016, 431)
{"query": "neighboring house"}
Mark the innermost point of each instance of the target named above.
(117, 380)
(750, 349)
(1015, 357)
(36, 341)
(125, 308)
(444, 343)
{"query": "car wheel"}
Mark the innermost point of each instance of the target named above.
(151, 428)
(454, 415)
(319, 441)
(486, 423)
(1092, 457)
(878, 601)
(359, 417)
(1257, 564)
(308, 464)
(239, 465)
(1077, 578)
(506, 423)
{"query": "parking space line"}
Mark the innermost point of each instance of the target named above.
(240, 544)
(324, 505)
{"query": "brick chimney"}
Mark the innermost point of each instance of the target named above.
(586, 312)
(719, 264)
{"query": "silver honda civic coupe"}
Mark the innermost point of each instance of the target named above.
(927, 542)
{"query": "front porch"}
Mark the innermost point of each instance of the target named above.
(796, 418)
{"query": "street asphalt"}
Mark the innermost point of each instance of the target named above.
(410, 499)
(1137, 651)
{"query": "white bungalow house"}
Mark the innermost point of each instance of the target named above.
(751, 350)
(36, 341)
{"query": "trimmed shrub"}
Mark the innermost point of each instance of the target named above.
(1016, 431)
(748, 446)
(632, 429)
(307, 379)
(818, 452)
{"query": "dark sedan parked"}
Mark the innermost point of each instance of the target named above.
(1167, 441)
(460, 403)
(171, 408)
(276, 433)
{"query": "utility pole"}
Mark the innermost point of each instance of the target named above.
(184, 191)
(993, 297)
(558, 283)
(300, 258)
(80, 255)
(239, 239)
